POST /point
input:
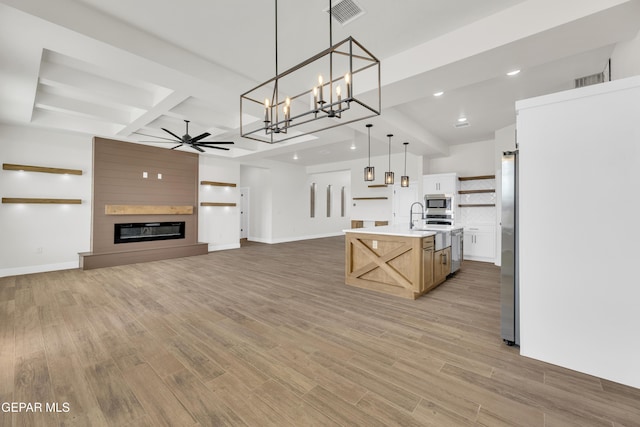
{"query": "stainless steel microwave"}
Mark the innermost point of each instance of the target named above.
(438, 201)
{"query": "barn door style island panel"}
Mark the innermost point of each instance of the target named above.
(394, 260)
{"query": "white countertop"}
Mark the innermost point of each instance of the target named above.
(403, 230)
(393, 230)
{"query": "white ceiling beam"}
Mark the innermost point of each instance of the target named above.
(153, 113)
(49, 101)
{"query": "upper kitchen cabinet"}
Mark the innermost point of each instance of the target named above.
(441, 183)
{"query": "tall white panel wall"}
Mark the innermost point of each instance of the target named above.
(580, 239)
(43, 237)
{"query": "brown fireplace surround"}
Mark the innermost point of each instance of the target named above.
(134, 183)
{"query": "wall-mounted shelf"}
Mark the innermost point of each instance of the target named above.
(147, 210)
(216, 204)
(378, 186)
(42, 201)
(474, 178)
(477, 205)
(218, 184)
(28, 168)
(370, 198)
(489, 190)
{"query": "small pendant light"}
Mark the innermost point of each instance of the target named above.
(369, 172)
(388, 176)
(404, 180)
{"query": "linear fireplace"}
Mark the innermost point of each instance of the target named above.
(147, 231)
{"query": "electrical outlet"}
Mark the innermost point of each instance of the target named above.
(375, 244)
(145, 175)
(39, 250)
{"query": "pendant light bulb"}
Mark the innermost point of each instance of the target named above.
(388, 176)
(369, 172)
(404, 180)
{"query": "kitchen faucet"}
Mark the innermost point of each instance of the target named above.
(411, 213)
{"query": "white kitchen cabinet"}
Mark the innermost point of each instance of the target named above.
(480, 243)
(441, 183)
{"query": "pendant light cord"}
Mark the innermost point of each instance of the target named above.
(369, 129)
(276, 37)
(405, 159)
(389, 154)
(330, 25)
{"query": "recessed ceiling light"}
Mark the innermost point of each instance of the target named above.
(462, 119)
(513, 73)
(353, 146)
(438, 93)
(295, 157)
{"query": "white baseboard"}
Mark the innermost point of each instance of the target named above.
(18, 271)
(213, 248)
(295, 238)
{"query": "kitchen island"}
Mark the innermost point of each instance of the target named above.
(395, 260)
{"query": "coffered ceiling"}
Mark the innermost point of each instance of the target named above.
(113, 68)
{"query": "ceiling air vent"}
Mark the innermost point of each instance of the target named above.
(345, 11)
(461, 125)
(590, 80)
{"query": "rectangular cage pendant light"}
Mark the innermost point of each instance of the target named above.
(337, 86)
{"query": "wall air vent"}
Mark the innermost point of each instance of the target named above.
(345, 11)
(590, 80)
(461, 125)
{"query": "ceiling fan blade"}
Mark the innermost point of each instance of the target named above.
(208, 146)
(153, 136)
(177, 146)
(173, 134)
(195, 147)
(199, 137)
(216, 142)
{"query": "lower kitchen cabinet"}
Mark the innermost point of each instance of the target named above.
(441, 265)
(480, 243)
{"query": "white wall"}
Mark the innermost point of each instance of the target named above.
(579, 171)
(471, 159)
(44, 237)
(219, 226)
(375, 210)
(625, 59)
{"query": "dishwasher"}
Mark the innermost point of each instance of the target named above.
(456, 249)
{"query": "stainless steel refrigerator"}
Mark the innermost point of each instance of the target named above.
(509, 290)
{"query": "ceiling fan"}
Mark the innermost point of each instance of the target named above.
(194, 142)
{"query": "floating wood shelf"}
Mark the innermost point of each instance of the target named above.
(218, 184)
(477, 205)
(474, 178)
(370, 198)
(147, 210)
(28, 168)
(490, 190)
(378, 185)
(216, 204)
(42, 201)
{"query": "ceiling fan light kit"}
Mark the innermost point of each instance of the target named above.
(318, 94)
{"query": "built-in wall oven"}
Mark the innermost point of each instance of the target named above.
(439, 209)
(441, 202)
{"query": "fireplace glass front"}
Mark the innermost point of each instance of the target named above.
(148, 231)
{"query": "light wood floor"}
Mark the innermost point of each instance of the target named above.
(270, 335)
